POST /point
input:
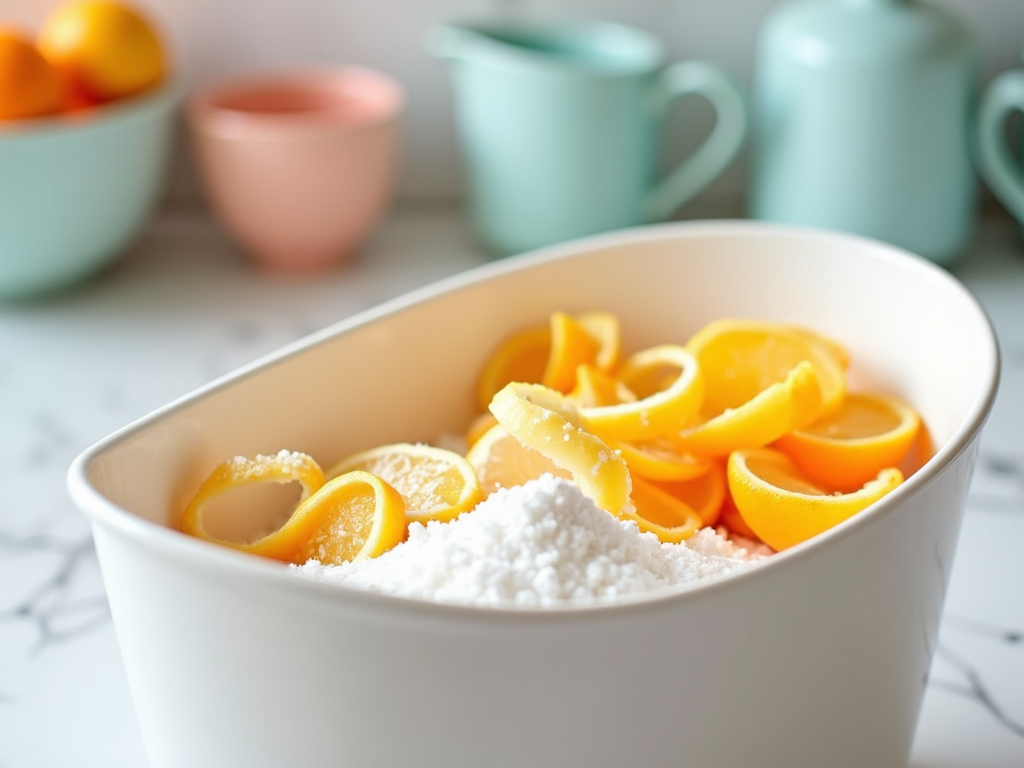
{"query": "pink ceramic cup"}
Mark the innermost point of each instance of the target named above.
(299, 166)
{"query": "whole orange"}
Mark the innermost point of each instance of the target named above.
(29, 85)
(104, 49)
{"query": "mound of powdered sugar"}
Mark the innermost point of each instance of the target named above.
(540, 544)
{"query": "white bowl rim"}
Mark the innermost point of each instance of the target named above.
(163, 541)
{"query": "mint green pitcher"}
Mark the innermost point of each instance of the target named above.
(999, 163)
(861, 115)
(559, 127)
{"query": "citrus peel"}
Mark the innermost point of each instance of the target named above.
(571, 347)
(741, 358)
(594, 387)
(850, 446)
(660, 458)
(705, 493)
(436, 483)
(655, 511)
(656, 411)
(547, 422)
(353, 516)
(771, 413)
(784, 507)
(281, 468)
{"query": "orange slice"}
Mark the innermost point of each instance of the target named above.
(705, 493)
(784, 507)
(501, 461)
(851, 445)
(662, 514)
(571, 346)
(235, 528)
(544, 420)
(604, 328)
(771, 413)
(521, 357)
(742, 358)
(436, 484)
(348, 518)
(920, 452)
(668, 384)
(352, 517)
(550, 355)
(594, 387)
(660, 459)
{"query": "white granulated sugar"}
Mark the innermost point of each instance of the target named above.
(540, 544)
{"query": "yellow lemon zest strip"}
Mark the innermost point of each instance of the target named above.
(542, 419)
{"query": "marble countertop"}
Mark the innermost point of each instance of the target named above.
(184, 307)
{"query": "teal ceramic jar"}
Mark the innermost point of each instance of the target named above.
(862, 122)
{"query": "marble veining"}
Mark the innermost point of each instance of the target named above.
(54, 604)
(969, 682)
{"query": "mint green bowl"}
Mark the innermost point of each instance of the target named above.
(76, 190)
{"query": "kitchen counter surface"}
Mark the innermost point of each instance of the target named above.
(185, 307)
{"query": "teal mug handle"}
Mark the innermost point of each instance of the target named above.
(1002, 172)
(711, 157)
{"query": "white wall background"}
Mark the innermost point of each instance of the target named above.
(210, 38)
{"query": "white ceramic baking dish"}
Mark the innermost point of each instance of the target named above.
(816, 657)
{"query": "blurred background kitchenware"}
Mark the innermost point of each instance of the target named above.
(77, 188)
(558, 125)
(862, 122)
(999, 163)
(299, 166)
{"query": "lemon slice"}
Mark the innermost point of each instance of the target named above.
(241, 472)
(773, 412)
(784, 507)
(741, 358)
(545, 421)
(662, 514)
(669, 386)
(437, 484)
(351, 517)
(501, 461)
(850, 446)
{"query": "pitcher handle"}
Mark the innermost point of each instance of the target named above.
(717, 150)
(997, 165)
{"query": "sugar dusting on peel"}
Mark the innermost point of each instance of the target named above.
(541, 544)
